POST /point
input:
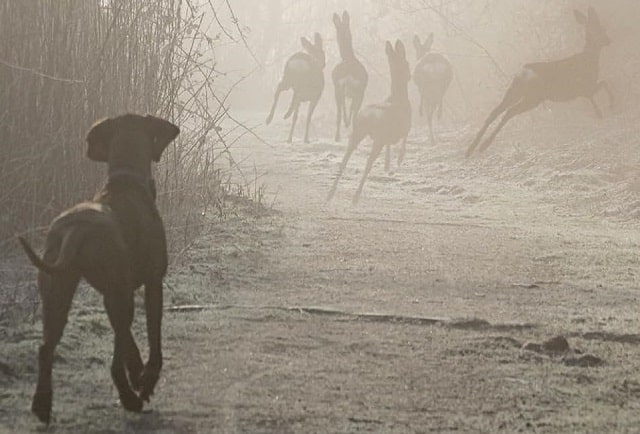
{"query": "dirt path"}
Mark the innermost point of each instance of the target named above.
(413, 306)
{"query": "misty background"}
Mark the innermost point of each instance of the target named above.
(210, 65)
(487, 41)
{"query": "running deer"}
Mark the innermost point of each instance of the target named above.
(304, 73)
(386, 123)
(432, 76)
(350, 78)
(560, 80)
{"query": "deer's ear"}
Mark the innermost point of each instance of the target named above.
(400, 50)
(389, 49)
(581, 18)
(306, 44)
(345, 18)
(318, 40)
(162, 133)
(98, 139)
(416, 43)
(336, 20)
(429, 42)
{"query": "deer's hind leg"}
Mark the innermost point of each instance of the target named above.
(339, 96)
(375, 152)
(295, 110)
(312, 107)
(512, 97)
(601, 85)
(519, 108)
(281, 87)
(354, 140)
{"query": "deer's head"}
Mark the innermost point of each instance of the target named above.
(422, 48)
(343, 33)
(315, 50)
(398, 64)
(596, 35)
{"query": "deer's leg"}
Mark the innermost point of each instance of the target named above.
(153, 306)
(387, 159)
(354, 141)
(440, 110)
(517, 109)
(56, 293)
(375, 152)
(430, 111)
(512, 97)
(492, 117)
(276, 96)
(403, 151)
(119, 306)
(346, 114)
(444, 91)
(596, 109)
(339, 95)
(602, 85)
(293, 123)
(312, 107)
(295, 103)
(356, 103)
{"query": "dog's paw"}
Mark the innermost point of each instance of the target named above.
(41, 406)
(131, 403)
(148, 379)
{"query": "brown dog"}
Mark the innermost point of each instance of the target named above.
(117, 243)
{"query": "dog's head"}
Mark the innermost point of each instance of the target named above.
(130, 141)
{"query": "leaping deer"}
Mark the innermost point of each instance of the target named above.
(350, 78)
(432, 76)
(304, 73)
(560, 80)
(386, 123)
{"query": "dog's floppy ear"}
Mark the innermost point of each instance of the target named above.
(162, 133)
(98, 139)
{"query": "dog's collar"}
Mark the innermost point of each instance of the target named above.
(120, 175)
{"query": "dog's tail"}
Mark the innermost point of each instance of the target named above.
(61, 263)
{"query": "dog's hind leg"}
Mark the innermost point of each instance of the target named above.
(119, 306)
(56, 293)
(153, 305)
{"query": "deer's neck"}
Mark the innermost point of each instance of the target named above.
(399, 92)
(592, 50)
(346, 50)
(591, 56)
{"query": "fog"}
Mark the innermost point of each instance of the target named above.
(448, 241)
(487, 43)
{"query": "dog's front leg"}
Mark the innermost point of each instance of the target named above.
(119, 305)
(153, 306)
